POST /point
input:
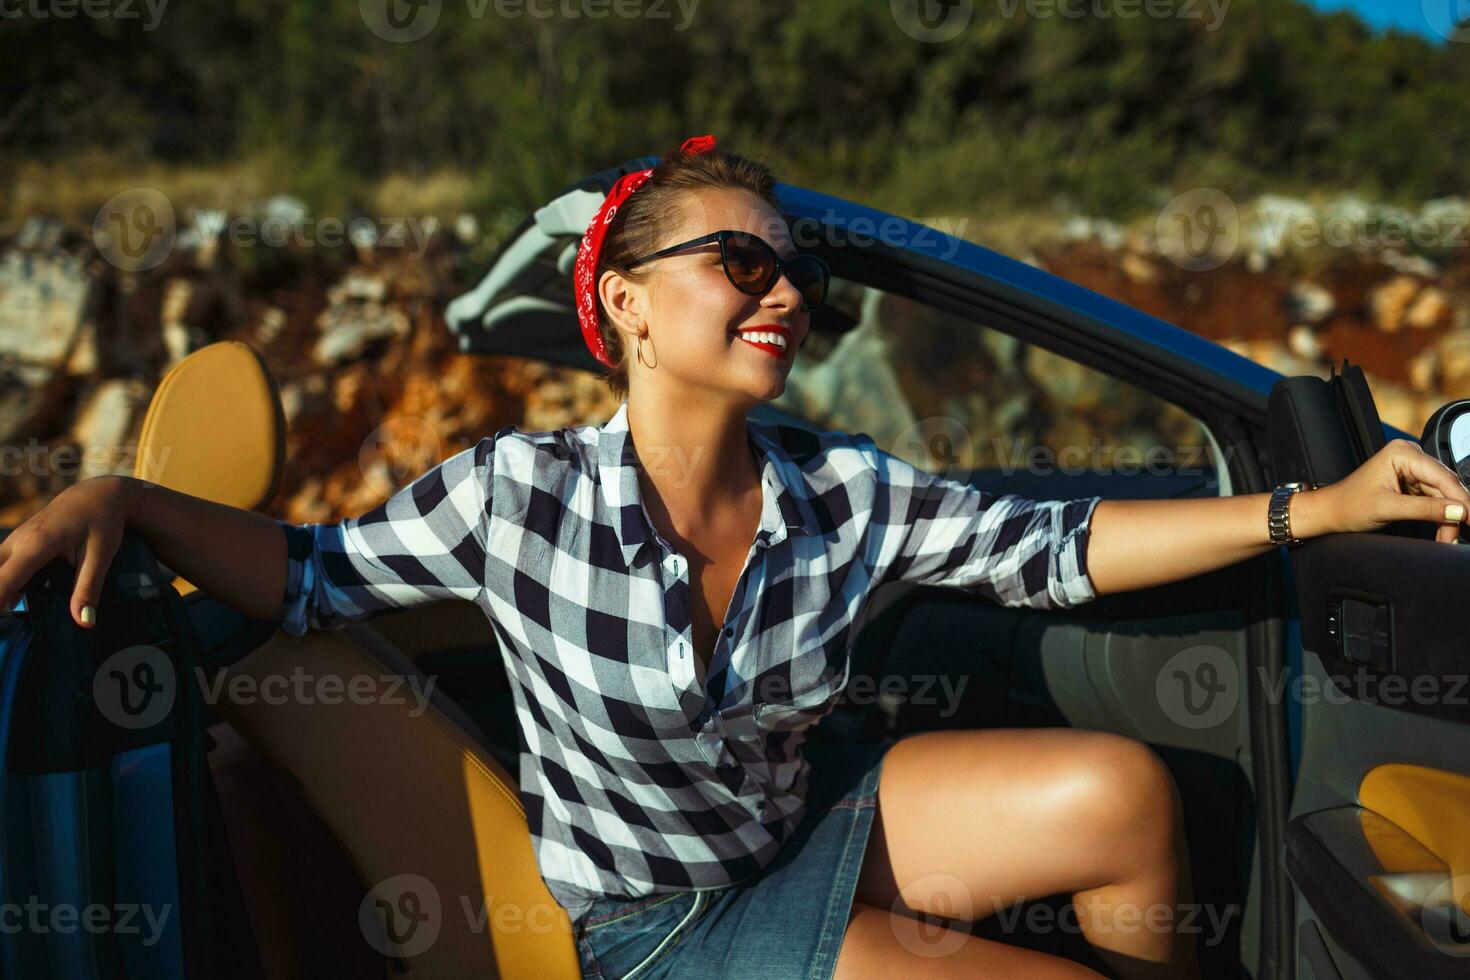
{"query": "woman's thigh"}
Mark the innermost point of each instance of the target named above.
(972, 822)
(880, 943)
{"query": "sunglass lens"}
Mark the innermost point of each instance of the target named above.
(809, 275)
(749, 263)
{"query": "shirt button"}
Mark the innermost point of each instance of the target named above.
(729, 631)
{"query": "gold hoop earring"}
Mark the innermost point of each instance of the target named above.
(640, 353)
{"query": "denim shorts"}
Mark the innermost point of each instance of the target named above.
(788, 920)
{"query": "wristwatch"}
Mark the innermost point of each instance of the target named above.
(1278, 516)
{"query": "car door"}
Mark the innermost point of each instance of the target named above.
(920, 322)
(109, 864)
(1378, 843)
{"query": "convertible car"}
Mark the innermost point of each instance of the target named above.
(189, 793)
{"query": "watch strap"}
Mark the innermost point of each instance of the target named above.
(1278, 514)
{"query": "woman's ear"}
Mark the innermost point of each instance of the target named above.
(623, 300)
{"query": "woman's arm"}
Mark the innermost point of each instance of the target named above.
(1055, 554)
(426, 542)
(1136, 544)
(234, 554)
(429, 541)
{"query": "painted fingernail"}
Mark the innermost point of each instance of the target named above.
(89, 615)
(1454, 512)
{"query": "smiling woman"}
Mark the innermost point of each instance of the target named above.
(633, 230)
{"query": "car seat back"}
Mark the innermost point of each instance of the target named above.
(215, 428)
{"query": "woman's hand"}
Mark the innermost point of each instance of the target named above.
(84, 525)
(1400, 482)
(1138, 544)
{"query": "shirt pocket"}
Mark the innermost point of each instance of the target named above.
(781, 730)
(773, 717)
(811, 681)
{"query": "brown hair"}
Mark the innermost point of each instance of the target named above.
(646, 218)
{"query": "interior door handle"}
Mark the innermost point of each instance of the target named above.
(1361, 629)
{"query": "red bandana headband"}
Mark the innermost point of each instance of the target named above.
(591, 248)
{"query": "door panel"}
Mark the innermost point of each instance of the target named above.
(63, 863)
(1387, 613)
(1339, 874)
(1378, 841)
(105, 849)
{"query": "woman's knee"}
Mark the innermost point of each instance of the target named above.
(1128, 787)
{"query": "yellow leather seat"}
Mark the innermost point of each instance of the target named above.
(215, 428)
(426, 814)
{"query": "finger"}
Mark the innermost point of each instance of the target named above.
(1444, 533)
(1409, 507)
(16, 572)
(88, 587)
(1426, 490)
(1429, 472)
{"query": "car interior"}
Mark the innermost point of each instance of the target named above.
(318, 817)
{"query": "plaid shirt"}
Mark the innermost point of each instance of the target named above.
(636, 778)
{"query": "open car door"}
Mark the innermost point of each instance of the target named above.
(112, 864)
(1378, 841)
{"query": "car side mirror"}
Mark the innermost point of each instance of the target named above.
(1447, 437)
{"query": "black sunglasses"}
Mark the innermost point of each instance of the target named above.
(752, 265)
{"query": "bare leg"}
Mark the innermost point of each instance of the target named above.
(880, 944)
(971, 822)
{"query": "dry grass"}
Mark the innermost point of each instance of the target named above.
(442, 193)
(73, 193)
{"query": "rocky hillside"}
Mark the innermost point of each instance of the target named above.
(375, 392)
(1403, 316)
(373, 389)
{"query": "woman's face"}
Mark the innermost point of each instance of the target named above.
(694, 316)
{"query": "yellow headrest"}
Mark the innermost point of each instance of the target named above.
(215, 428)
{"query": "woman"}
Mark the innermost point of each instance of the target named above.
(667, 667)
